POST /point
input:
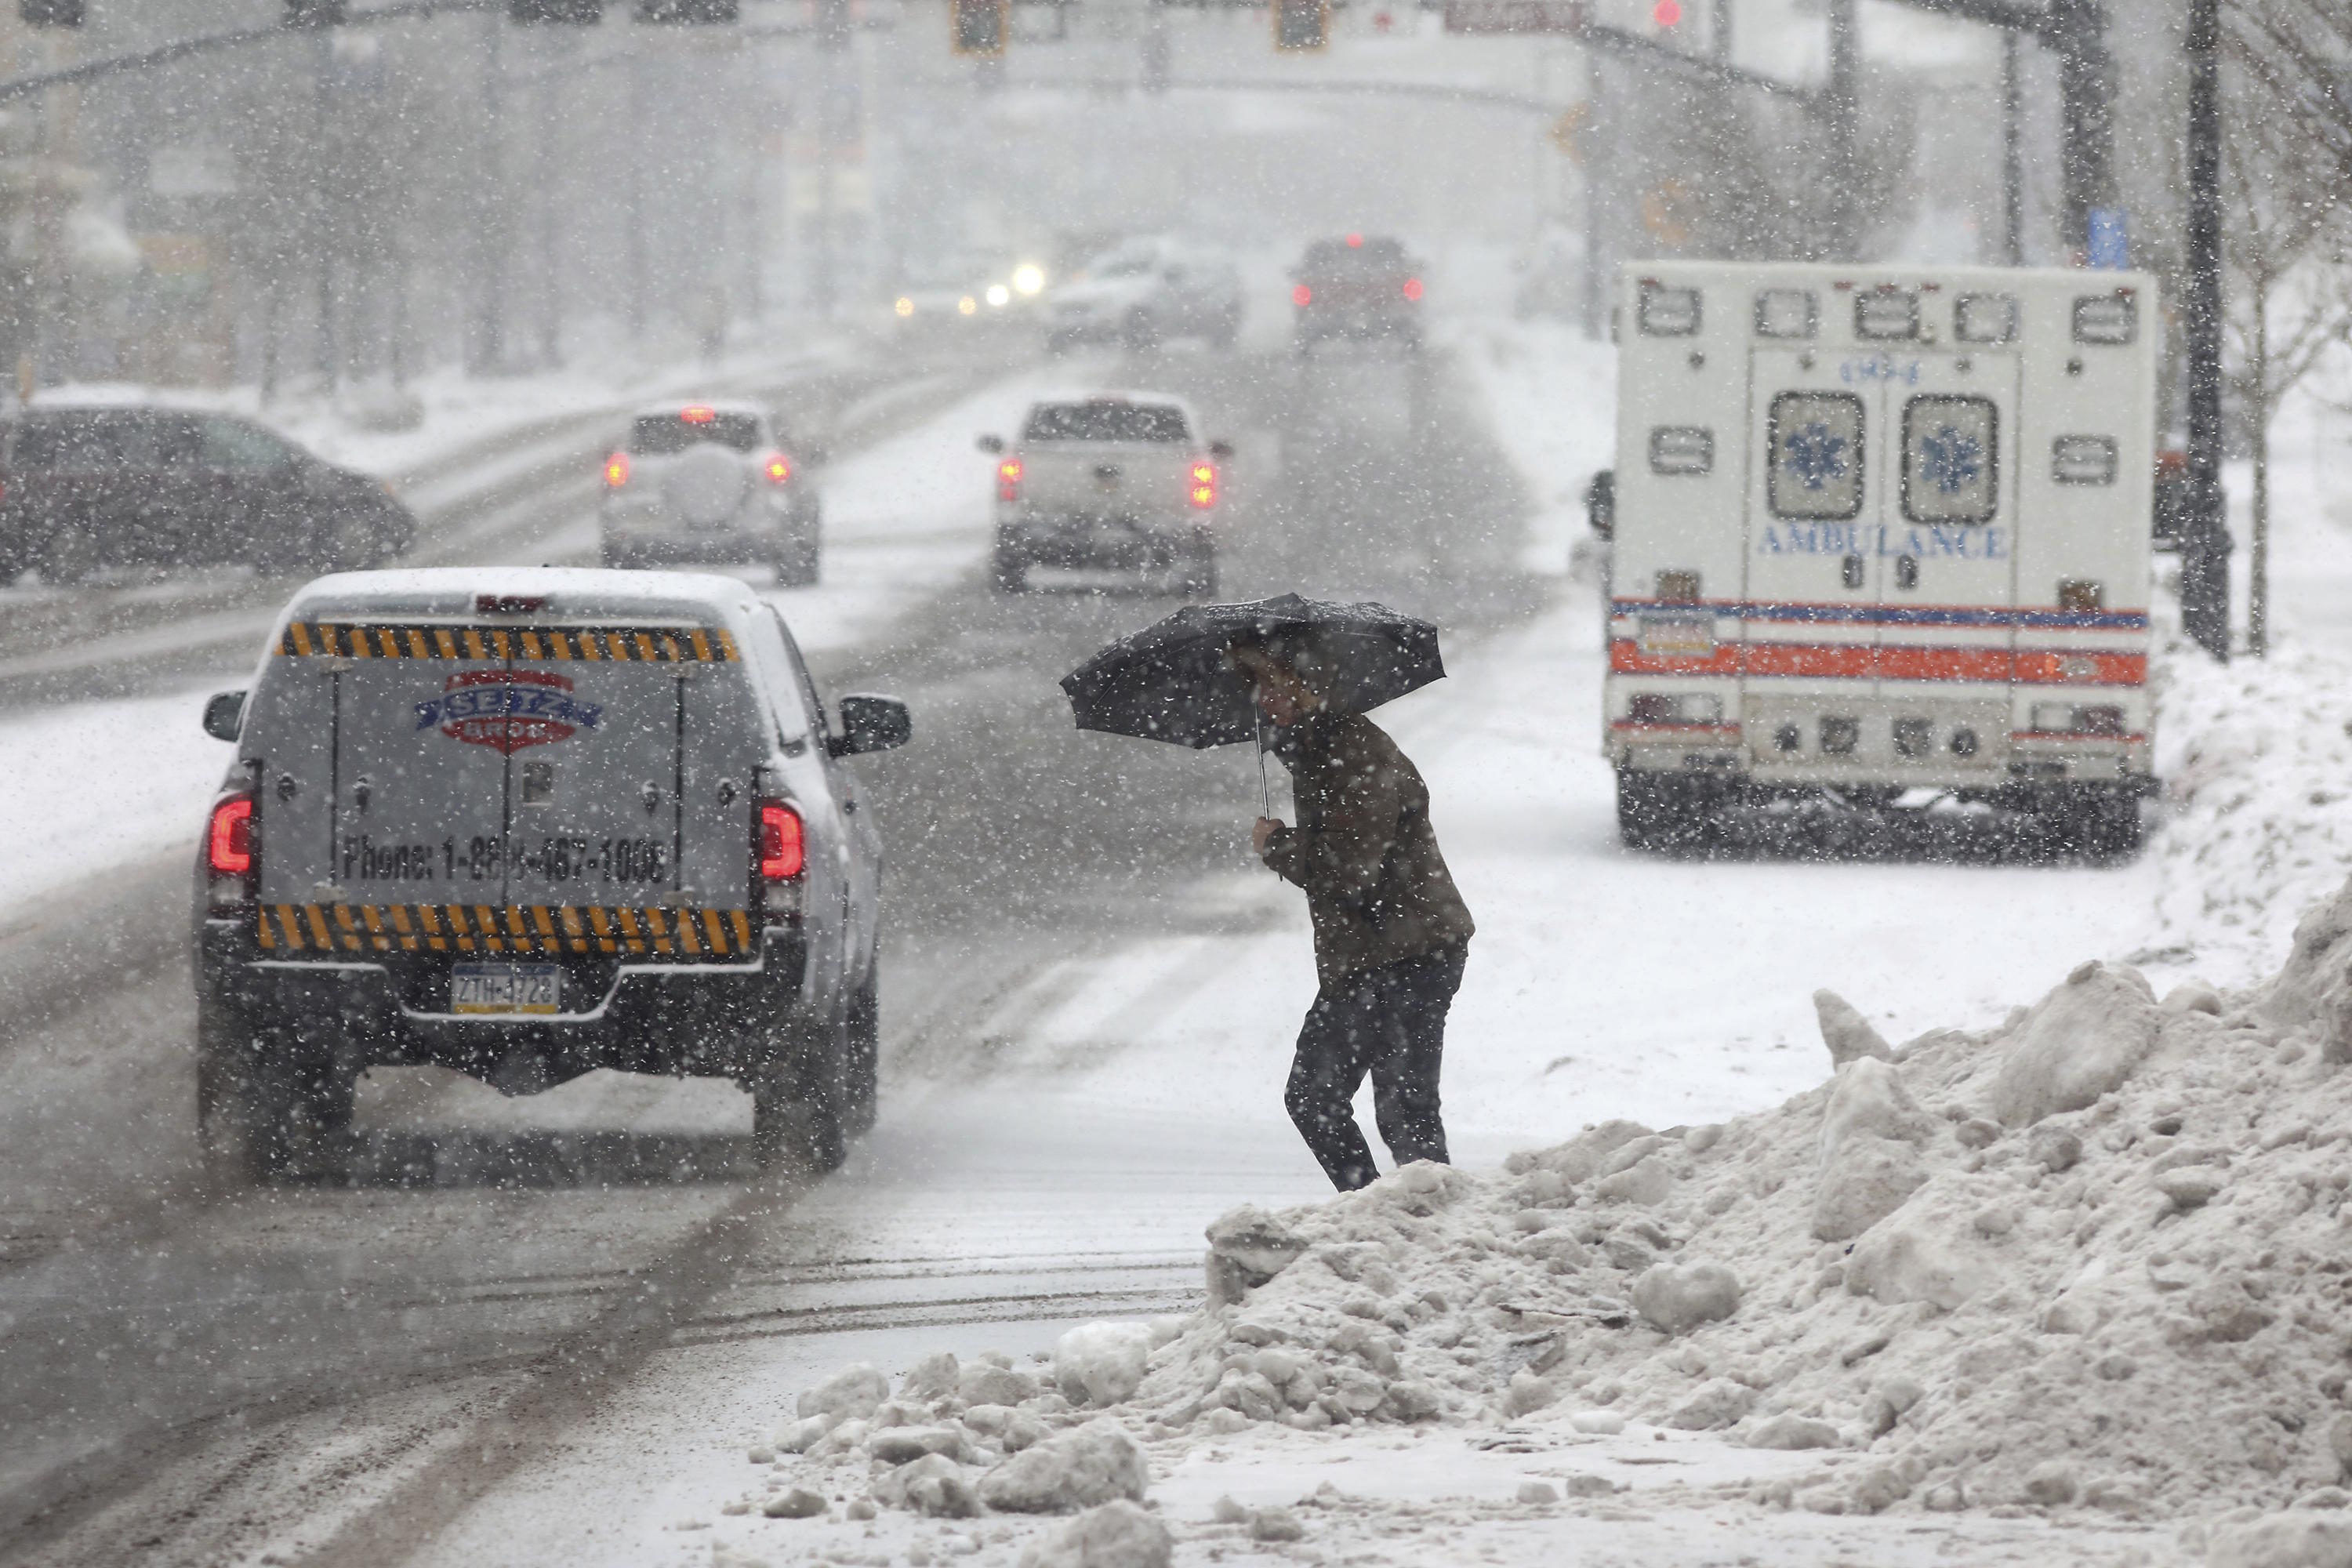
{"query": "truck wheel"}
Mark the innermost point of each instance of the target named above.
(2098, 820)
(1009, 568)
(1662, 811)
(264, 1102)
(863, 1073)
(796, 567)
(796, 1104)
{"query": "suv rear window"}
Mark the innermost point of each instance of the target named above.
(1336, 258)
(659, 435)
(1106, 422)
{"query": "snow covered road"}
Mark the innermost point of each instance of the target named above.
(1089, 999)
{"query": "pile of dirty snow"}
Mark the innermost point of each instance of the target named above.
(2098, 1257)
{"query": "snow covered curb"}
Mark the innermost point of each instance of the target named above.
(2088, 1265)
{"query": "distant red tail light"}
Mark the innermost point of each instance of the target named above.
(1355, 242)
(778, 468)
(617, 470)
(1302, 296)
(1008, 479)
(697, 414)
(1412, 289)
(1205, 486)
(783, 847)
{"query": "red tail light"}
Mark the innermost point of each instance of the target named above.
(697, 414)
(1008, 479)
(1412, 289)
(1205, 486)
(1302, 296)
(1355, 242)
(783, 848)
(228, 848)
(617, 470)
(778, 468)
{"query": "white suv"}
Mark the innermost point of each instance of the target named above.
(1143, 292)
(710, 482)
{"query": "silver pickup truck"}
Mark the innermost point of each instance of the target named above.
(1120, 480)
(527, 823)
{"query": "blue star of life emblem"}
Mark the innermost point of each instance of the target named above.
(1815, 455)
(1949, 460)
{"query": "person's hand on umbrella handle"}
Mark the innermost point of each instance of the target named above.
(1262, 834)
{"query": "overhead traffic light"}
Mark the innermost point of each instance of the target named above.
(317, 13)
(50, 13)
(686, 12)
(980, 27)
(1302, 24)
(564, 12)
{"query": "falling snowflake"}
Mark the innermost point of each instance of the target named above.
(1950, 459)
(1815, 455)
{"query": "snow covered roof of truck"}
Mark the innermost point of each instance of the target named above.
(563, 592)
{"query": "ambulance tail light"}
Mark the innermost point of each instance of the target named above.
(1412, 289)
(777, 467)
(1008, 479)
(617, 470)
(1302, 296)
(229, 859)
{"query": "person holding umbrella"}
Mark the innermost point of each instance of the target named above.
(1391, 932)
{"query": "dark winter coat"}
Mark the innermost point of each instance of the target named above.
(1377, 888)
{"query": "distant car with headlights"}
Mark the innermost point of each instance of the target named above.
(1357, 289)
(84, 487)
(1145, 292)
(1115, 480)
(711, 482)
(526, 823)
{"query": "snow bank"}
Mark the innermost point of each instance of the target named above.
(2108, 1271)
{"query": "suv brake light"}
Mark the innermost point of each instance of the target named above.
(1008, 479)
(778, 468)
(228, 853)
(1412, 289)
(1302, 296)
(783, 847)
(617, 470)
(1205, 486)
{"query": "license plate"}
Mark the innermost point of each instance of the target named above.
(506, 988)
(1678, 636)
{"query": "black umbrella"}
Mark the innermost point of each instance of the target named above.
(1174, 682)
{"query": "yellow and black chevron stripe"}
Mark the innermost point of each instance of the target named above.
(617, 644)
(509, 928)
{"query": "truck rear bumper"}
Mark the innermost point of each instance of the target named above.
(705, 1019)
(1078, 539)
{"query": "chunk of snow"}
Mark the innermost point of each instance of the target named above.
(2076, 1044)
(934, 1486)
(1080, 1469)
(1845, 1031)
(856, 1391)
(1101, 1364)
(1678, 1297)
(1117, 1534)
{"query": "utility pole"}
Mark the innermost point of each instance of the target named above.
(633, 240)
(1840, 236)
(2013, 152)
(326, 355)
(2086, 86)
(2205, 545)
(489, 220)
(1597, 128)
(555, 69)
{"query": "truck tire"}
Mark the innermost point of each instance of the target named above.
(1009, 568)
(797, 565)
(862, 1073)
(265, 1102)
(1662, 811)
(796, 1103)
(2098, 820)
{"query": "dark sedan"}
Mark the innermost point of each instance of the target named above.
(87, 487)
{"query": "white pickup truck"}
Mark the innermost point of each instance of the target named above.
(1120, 480)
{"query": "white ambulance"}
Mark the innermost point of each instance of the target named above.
(1880, 530)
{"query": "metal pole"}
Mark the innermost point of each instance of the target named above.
(1721, 31)
(552, 75)
(489, 231)
(1596, 201)
(1840, 112)
(635, 239)
(326, 355)
(2013, 152)
(2205, 547)
(2078, 27)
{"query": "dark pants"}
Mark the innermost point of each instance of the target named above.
(1390, 1022)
